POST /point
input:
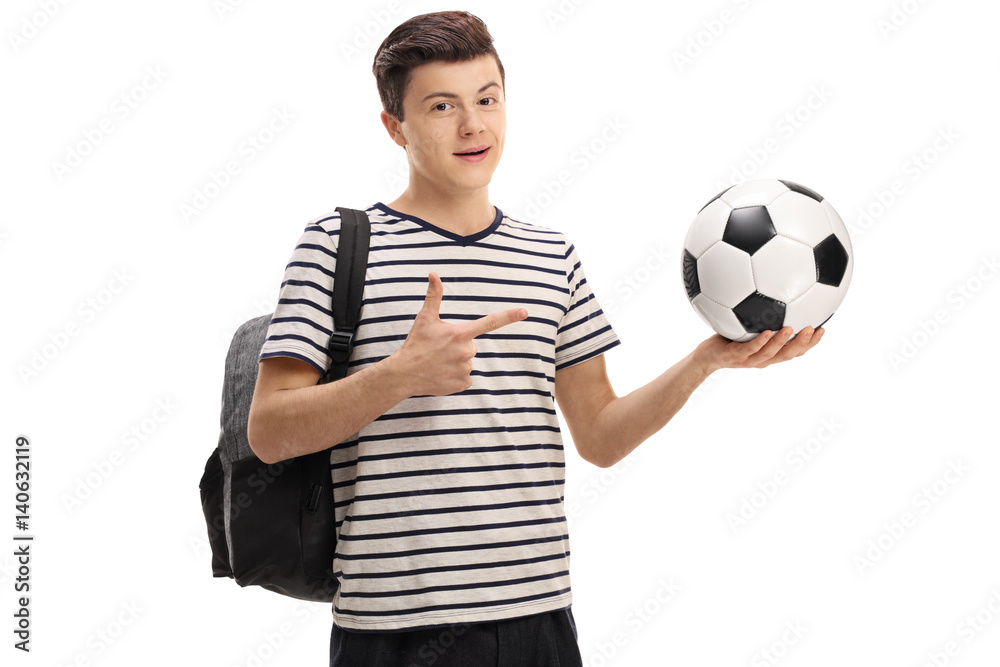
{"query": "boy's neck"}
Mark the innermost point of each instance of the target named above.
(465, 215)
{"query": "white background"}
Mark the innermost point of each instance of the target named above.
(904, 380)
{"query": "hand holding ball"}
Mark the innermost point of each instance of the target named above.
(766, 254)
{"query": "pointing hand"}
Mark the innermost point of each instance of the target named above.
(436, 357)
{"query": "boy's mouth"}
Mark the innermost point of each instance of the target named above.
(476, 151)
(476, 155)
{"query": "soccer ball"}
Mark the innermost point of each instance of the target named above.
(766, 254)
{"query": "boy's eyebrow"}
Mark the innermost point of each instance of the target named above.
(453, 95)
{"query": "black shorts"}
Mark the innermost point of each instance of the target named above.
(540, 640)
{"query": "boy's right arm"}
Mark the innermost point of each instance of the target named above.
(291, 415)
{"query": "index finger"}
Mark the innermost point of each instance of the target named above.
(494, 321)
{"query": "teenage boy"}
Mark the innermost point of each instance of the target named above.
(449, 479)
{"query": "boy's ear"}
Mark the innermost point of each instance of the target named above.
(393, 127)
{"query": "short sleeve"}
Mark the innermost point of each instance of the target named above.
(584, 331)
(303, 319)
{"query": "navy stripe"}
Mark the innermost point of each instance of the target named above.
(451, 548)
(448, 280)
(456, 431)
(451, 510)
(294, 355)
(523, 251)
(495, 392)
(309, 283)
(513, 374)
(368, 321)
(443, 261)
(401, 231)
(319, 248)
(449, 471)
(451, 529)
(454, 489)
(464, 411)
(530, 227)
(311, 265)
(509, 355)
(569, 278)
(440, 452)
(467, 605)
(453, 568)
(370, 340)
(514, 355)
(410, 247)
(583, 319)
(530, 240)
(584, 339)
(457, 587)
(303, 339)
(307, 302)
(502, 392)
(302, 320)
(332, 216)
(588, 355)
(455, 298)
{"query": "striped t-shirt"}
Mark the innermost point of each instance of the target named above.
(450, 508)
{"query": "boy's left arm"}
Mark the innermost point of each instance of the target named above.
(606, 427)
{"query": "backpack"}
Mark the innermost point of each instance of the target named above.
(273, 525)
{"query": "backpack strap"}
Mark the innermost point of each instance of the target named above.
(348, 287)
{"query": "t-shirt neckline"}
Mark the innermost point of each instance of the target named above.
(464, 240)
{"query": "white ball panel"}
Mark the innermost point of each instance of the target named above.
(836, 224)
(755, 193)
(812, 308)
(707, 227)
(725, 274)
(717, 316)
(783, 269)
(799, 217)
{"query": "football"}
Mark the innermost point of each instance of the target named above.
(766, 254)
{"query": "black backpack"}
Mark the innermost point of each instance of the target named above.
(273, 525)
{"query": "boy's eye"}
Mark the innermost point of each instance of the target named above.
(443, 106)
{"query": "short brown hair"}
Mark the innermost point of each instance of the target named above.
(447, 36)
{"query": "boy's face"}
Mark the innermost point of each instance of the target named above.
(452, 108)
